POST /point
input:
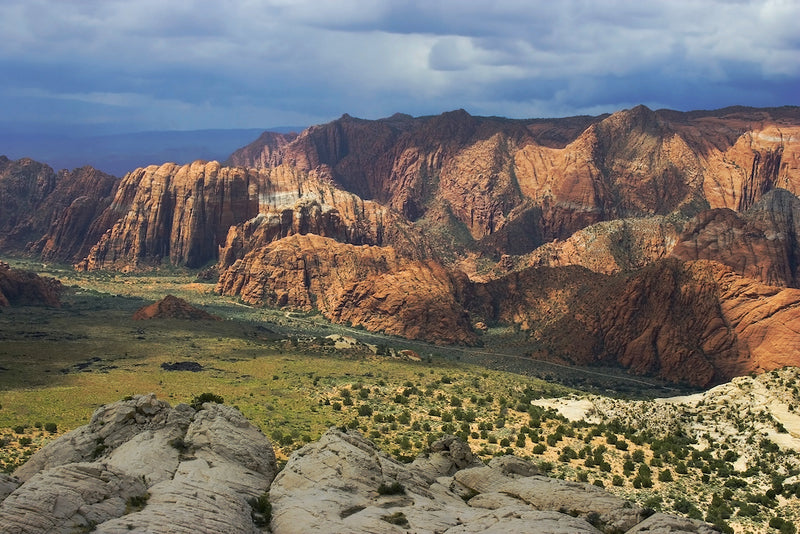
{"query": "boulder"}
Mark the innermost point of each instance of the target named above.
(172, 307)
(141, 464)
(24, 288)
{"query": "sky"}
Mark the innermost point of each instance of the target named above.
(135, 65)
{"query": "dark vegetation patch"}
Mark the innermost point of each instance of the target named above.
(194, 367)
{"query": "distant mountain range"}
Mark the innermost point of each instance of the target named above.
(664, 242)
(118, 154)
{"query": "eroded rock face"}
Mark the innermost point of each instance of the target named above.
(175, 214)
(143, 465)
(23, 288)
(697, 322)
(550, 177)
(761, 243)
(183, 215)
(53, 214)
(367, 285)
(172, 307)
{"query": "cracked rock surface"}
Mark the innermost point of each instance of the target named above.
(141, 465)
(145, 466)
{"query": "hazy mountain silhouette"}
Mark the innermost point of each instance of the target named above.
(120, 153)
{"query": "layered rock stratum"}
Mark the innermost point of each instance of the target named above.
(141, 465)
(423, 226)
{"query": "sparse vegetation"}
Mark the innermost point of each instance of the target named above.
(136, 503)
(395, 488)
(199, 400)
(397, 518)
(261, 510)
(719, 463)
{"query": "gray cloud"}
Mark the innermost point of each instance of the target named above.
(256, 63)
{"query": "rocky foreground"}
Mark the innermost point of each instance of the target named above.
(141, 465)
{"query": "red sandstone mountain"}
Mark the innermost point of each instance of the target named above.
(695, 322)
(585, 232)
(54, 214)
(371, 286)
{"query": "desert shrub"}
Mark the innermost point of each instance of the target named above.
(397, 518)
(136, 502)
(261, 512)
(567, 454)
(179, 444)
(51, 427)
(782, 525)
(365, 410)
(685, 507)
(395, 488)
(199, 400)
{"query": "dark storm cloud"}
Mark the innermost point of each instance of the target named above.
(194, 63)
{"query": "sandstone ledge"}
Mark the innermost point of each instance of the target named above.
(141, 465)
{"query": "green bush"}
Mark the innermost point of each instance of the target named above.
(136, 503)
(199, 400)
(261, 513)
(395, 488)
(51, 427)
(785, 527)
(397, 518)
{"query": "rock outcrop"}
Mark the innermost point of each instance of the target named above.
(172, 307)
(371, 286)
(23, 288)
(343, 483)
(141, 465)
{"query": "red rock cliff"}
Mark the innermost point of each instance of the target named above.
(362, 285)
